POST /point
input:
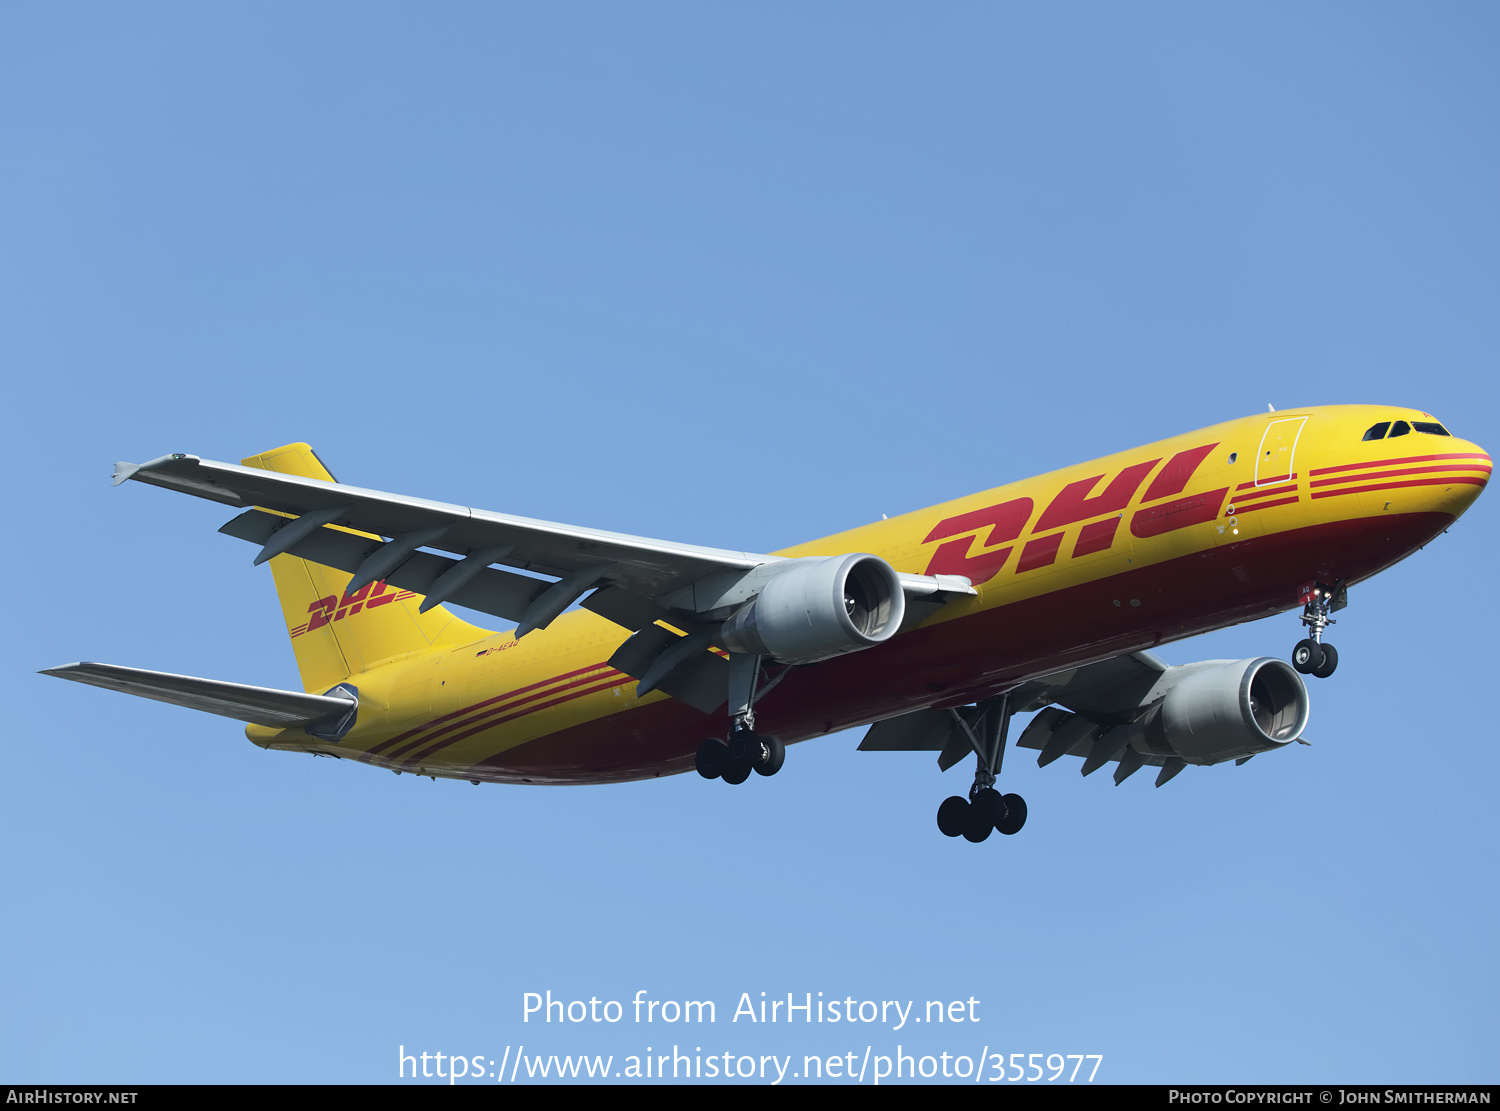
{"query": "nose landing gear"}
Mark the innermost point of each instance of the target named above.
(986, 809)
(1311, 656)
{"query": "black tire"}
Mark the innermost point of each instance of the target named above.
(1307, 657)
(1015, 815)
(977, 824)
(711, 757)
(772, 755)
(952, 815)
(1330, 661)
(743, 744)
(989, 805)
(735, 771)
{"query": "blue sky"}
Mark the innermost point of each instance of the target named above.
(737, 275)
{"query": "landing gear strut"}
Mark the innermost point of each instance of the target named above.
(746, 750)
(986, 809)
(1311, 656)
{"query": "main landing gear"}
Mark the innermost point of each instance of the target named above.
(986, 809)
(1311, 656)
(746, 750)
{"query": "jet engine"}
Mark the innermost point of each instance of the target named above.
(1228, 712)
(818, 608)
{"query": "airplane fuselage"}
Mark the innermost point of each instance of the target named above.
(1166, 541)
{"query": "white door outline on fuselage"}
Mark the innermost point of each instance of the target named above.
(1280, 474)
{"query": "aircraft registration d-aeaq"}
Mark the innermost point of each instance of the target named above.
(933, 628)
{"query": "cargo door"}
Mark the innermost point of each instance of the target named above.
(1277, 459)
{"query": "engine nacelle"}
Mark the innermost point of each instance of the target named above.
(1226, 712)
(819, 608)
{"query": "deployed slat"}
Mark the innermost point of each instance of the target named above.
(261, 705)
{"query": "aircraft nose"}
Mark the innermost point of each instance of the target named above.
(1466, 472)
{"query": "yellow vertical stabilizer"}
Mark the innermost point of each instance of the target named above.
(334, 634)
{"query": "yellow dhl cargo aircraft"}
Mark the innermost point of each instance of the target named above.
(936, 626)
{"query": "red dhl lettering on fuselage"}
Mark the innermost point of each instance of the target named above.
(1076, 502)
(334, 608)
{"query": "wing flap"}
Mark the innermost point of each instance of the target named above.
(918, 731)
(1101, 689)
(259, 705)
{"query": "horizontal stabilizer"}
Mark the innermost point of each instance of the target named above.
(259, 705)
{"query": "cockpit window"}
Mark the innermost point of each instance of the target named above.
(1429, 427)
(1401, 428)
(1377, 432)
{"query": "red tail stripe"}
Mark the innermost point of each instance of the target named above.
(1397, 462)
(412, 761)
(1266, 505)
(486, 702)
(522, 704)
(1367, 475)
(1455, 480)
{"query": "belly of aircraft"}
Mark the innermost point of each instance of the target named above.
(951, 662)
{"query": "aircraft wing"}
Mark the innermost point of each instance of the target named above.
(1113, 688)
(650, 566)
(581, 559)
(260, 705)
(1104, 689)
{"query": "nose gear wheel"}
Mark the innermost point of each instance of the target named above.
(1311, 656)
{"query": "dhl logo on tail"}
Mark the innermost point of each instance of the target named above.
(334, 608)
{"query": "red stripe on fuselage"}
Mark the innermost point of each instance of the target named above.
(506, 697)
(525, 705)
(1365, 476)
(1266, 493)
(1456, 480)
(1265, 505)
(612, 681)
(1399, 462)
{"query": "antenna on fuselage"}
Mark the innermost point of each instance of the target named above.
(1270, 408)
